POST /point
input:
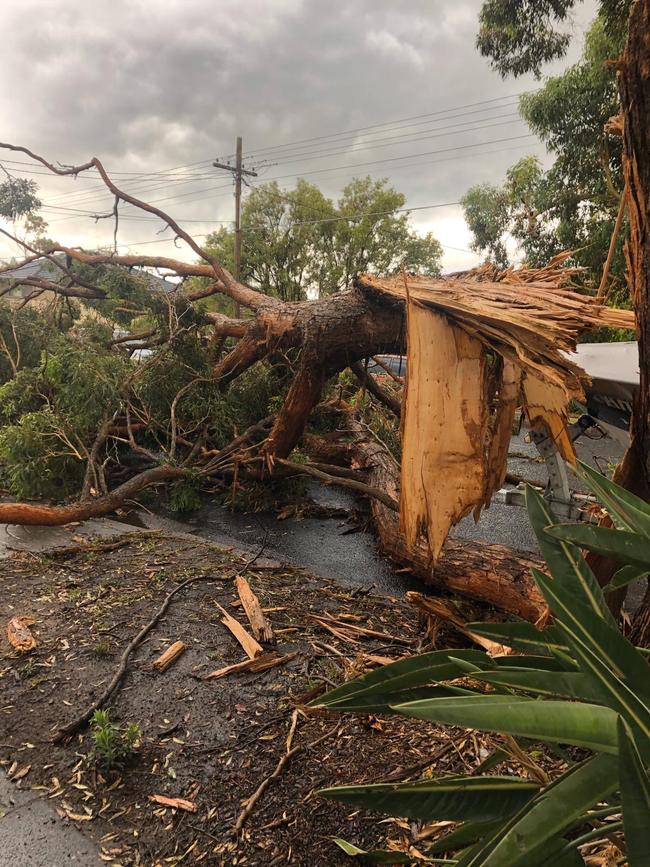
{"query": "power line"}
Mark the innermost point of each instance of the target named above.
(90, 196)
(249, 154)
(339, 219)
(225, 222)
(512, 118)
(369, 141)
(278, 150)
(316, 156)
(363, 164)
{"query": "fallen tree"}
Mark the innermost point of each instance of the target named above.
(512, 326)
(490, 573)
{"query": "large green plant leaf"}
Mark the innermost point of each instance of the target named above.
(630, 548)
(614, 665)
(560, 856)
(628, 512)
(458, 799)
(567, 722)
(519, 634)
(626, 576)
(635, 796)
(572, 684)
(427, 668)
(566, 564)
(376, 702)
(464, 835)
(372, 856)
(528, 838)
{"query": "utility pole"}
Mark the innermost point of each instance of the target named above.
(238, 171)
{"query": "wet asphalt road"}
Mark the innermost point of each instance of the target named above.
(33, 835)
(327, 547)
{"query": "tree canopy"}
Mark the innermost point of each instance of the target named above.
(573, 205)
(520, 36)
(298, 242)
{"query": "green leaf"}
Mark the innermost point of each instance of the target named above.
(567, 566)
(567, 722)
(374, 856)
(463, 835)
(526, 840)
(626, 576)
(404, 674)
(491, 761)
(573, 684)
(628, 512)
(630, 548)
(560, 856)
(458, 799)
(537, 663)
(374, 702)
(635, 795)
(616, 668)
(518, 634)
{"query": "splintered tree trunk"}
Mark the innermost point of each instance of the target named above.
(634, 88)
(490, 573)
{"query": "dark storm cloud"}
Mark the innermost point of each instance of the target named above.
(148, 85)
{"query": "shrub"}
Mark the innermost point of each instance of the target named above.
(577, 682)
(113, 746)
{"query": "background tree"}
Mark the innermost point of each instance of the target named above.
(574, 204)
(18, 198)
(298, 242)
(531, 23)
(520, 36)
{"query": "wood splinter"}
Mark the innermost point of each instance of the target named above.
(259, 624)
(260, 663)
(251, 648)
(174, 803)
(169, 656)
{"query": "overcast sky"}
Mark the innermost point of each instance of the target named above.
(166, 86)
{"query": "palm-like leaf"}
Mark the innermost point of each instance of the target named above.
(581, 657)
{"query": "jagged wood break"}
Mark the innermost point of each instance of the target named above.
(477, 348)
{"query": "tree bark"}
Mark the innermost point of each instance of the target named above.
(54, 516)
(490, 573)
(634, 88)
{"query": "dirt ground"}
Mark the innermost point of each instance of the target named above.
(212, 741)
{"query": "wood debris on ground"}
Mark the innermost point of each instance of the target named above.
(240, 753)
(479, 344)
(259, 624)
(175, 803)
(258, 663)
(250, 646)
(169, 656)
(19, 635)
(431, 606)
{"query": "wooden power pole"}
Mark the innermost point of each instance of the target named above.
(238, 171)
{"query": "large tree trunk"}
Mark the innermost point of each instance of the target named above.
(490, 573)
(634, 89)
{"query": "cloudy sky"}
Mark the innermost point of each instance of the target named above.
(325, 91)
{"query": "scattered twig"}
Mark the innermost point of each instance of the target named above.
(83, 718)
(289, 753)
